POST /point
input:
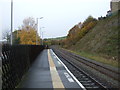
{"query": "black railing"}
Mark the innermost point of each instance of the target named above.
(16, 60)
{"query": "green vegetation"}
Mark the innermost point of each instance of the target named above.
(76, 33)
(96, 39)
(102, 39)
(27, 33)
(54, 41)
(58, 38)
(16, 39)
(98, 58)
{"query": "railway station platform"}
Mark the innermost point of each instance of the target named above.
(48, 71)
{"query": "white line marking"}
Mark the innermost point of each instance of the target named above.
(68, 77)
(59, 63)
(70, 80)
(69, 72)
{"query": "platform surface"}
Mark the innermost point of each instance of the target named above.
(48, 71)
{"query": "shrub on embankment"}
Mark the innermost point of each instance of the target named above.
(76, 33)
(101, 40)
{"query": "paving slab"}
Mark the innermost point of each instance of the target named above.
(48, 72)
(38, 75)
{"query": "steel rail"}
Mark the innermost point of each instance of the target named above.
(77, 68)
(99, 67)
(78, 57)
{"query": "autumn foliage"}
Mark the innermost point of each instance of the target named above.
(27, 34)
(28, 37)
(76, 33)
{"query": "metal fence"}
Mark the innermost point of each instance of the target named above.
(16, 60)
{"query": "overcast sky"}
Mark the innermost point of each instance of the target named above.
(59, 15)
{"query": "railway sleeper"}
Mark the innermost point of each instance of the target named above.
(85, 81)
(89, 84)
(81, 76)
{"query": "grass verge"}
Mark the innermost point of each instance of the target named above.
(98, 58)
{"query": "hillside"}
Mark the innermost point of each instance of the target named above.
(53, 41)
(102, 40)
(57, 38)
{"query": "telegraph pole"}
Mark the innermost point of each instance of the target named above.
(11, 21)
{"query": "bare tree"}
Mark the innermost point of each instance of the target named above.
(29, 23)
(6, 36)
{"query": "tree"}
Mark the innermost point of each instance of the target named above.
(16, 39)
(76, 33)
(29, 23)
(28, 37)
(6, 35)
(28, 33)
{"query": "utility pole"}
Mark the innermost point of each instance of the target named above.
(11, 22)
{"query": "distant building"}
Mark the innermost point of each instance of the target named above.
(115, 5)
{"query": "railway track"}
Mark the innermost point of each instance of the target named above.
(83, 77)
(111, 73)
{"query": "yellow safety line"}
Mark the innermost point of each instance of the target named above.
(56, 81)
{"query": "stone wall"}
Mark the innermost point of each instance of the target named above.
(115, 6)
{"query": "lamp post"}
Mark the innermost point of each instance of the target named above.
(41, 35)
(11, 21)
(37, 29)
(42, 38)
